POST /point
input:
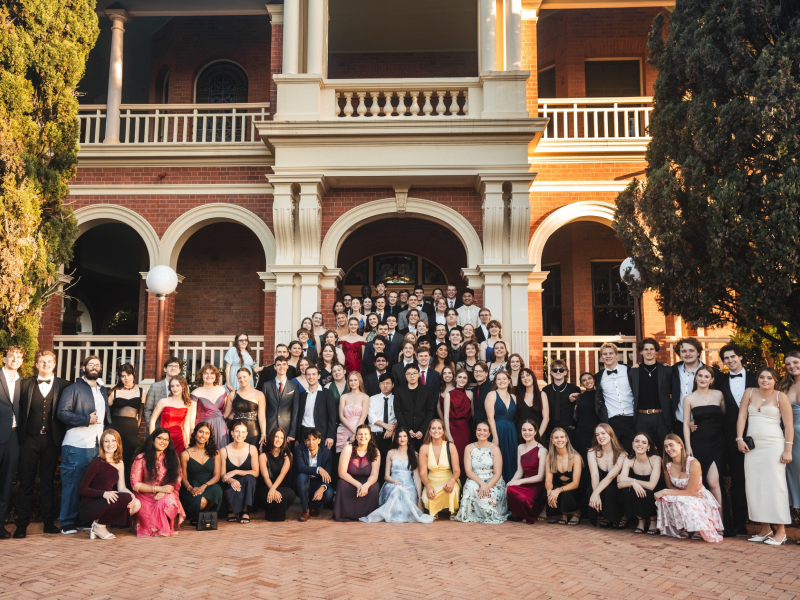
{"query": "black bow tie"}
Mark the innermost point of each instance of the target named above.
(737, 375)
(41, 381)
(614, 372)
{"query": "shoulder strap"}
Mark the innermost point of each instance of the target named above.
(449, 459)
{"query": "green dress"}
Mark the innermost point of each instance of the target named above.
(197, 475)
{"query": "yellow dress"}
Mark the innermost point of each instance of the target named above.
(438, 475)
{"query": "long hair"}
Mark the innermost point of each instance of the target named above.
(650, 449)
(521, 362)
(442, 384)
(171, 462)
(788, 379)
(211, 444)
(239, 350)
(769, 370)
(521, 390)
(428, 439)
(321, 361)
(536, 435)
(360, 382)
(413, 461)
(552, 452)
(284, 449)
(616, 447)
(372, 447)
(116, 458)
(126, 368)
(667, 459)
(510, 388)
(185, 396)
(708, 370)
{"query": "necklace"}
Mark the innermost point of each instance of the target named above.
(649, 372)
(555, 389)
(129, 388)
(762, 400)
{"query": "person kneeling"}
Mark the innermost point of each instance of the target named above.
(357, 492)
(274, 464)
(484, 499)
(563, 476)
(313, 478)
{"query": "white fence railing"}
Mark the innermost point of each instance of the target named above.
(113, 351)
(199, 350)
(596, 118)
(176, 123)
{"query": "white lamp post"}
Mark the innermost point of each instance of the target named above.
(628, 272)
(162, 281)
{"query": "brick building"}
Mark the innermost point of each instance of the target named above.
(481, 143)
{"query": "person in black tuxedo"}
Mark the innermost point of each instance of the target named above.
(371, 349)
(380, 309)
(372, 380)
(310, 352)
(482, 329)
(651, 385)
(314, 467)
(423, 306)
(428, 376)
(10, 393)
(393, 306)
(732, 385)
(414, 406)
(41, 436)
(282, 398)
(317, 409)
(407, 357)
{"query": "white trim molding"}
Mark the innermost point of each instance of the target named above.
(591, 210)
(158, 189)
(578, 186)
(100, 214)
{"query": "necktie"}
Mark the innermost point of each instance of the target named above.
(422, 374)
(391, 335)
(614, 372)
(737, 375)
(385, 409)
(280, 388)
(47, 381)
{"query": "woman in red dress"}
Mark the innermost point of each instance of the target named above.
(178, 413)
(527, 496)
(352, 345)
(458, 410)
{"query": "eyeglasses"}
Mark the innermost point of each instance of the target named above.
(242, 340)
(558, 370)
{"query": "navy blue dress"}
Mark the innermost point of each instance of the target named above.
(507, 435)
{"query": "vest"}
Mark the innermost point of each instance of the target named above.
(39, 414)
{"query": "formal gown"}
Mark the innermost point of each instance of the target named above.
(708, 440)
(197, 475)
(764, 473)
(128, 429)
(460, 414)
(352, 355)
(793, 468)
(439, 473)
(240, 500)
(232, 358)
(352, 413)
(507, 435)
(157, 517)
(524, 413)
(247, 411)
(473, 509)
(348, 506)
(172, 420)
(398, 503)
(680, 515)
(99, 478)
(636, 507)
(211, 413)
(527, 501)
(610, 497)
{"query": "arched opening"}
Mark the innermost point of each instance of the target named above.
(221, 82)
(162, 85)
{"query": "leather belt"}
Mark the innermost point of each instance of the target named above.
(651, 411)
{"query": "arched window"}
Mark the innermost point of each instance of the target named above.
(221, 83)
(397, 271)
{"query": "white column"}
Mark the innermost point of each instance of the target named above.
(318, 37)
(493, 294)
(283, 223)
(309, 222)
(520, 220)
(310, 288)
(493, 222)
(118, 18)
(487, 16)
(284, 304)
(291, 37)
(512, 15)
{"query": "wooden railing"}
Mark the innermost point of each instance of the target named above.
(113, 351)
(199, 350)
(176, 123)
(596, 118)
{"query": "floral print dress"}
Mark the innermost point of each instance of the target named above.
(680, 515)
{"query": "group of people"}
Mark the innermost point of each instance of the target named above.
(406, 410)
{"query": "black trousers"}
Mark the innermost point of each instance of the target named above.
(9, 456)
(738, 503)
(384, 445)
(677, 428)
(38, 454)
(654, 426)
(623, 428)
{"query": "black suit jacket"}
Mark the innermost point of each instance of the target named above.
(9, 407)
(599, 398)
(664, 375)
(429, 310)
(458, 303)
(311, 354)
(282, 412)
(479, 337)
(371, 384)
(399, 373)
(433, 381)
(59, 385)
(416, 416)
(324, 413)
(268, 374)
(723, 384)
(302, 459)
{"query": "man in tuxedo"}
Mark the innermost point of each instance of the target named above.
(317, 409)
(732, 385)
(308, 351)
(452, 297)
(393, 338)
(683, 373)
(422, 306)
(347, 299)
(382, 420)
(269, 372)
(482, 329)
(614, 400)
(41, 435)
(407, 357)
(314, 469)
(372, 380)
(160, 389)
(402, 300)
(10, 393)
(380, 308)
(651, 386)
(414, 406)
(428, 376)
(282, 399)
(456, 338)
(370, 350)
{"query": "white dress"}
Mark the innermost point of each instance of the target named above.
(764, 473)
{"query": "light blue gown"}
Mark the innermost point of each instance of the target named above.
(793, 468)
(232, 358)
(398, 504)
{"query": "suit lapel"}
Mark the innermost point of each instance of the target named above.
(4, 385)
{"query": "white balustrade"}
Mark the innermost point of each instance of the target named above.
(596, 118)
(176, 123)
(403, 97)
(112, 350)
(199, 350)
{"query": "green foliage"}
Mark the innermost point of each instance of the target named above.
(759, 351)
(715, 229)
(44, 45)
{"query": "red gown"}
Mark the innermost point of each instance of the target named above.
(352, 355)
(172, 420)
(527, 500)
(460, 413)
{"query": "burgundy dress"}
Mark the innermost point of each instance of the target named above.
(348, 506)
(526, 501)
(352, 355)
(460, 414)
(101, 477)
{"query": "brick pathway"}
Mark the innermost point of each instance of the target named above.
(323, 559)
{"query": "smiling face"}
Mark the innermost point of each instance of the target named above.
(338, 373)
(46, 364)
(239, 433)
(363, 436)
(515, 363)
(442, 351)
(609, 357)
(243, 377)
(673, 449)
(649, 352)
(175, 387)
(352, 326)
(502, 380)
(436, 429)
(559, 439)
(13, 360)
(482, 432)
(202, 435)
(766, 382)
(587, 381)
(703, 379)
(689, 354)
(352, 382)
(356, 305)
(278, 440)
(602, 437)
(402, 439)
(526, 379)
(792, 366)
(528, 432)
(341, 319)
(109, 444)
(640, 444)
(209, 377)
(161, 442)
(316, 320)
(327, 354)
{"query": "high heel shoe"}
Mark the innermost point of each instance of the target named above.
(93, 534)
(771, 541)
(760, 538)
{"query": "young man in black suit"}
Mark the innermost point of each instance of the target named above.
(452, 297)
(372, 380)
(683, 372)
(10, 392)
(41, 435)
(380, 308)
(651, 385)
(382, 420)
(309, 351)
(372, 348)
(482, 329)
(428, 376)
(423, 306)
(282, 398)
(314, 468)
(268, 373)
(414, 406)
(317, 409)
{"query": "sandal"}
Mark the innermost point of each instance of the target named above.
(638, 530)
(245, 519)
(552, 521)
(653, 531)
(232, 519)
(572, 523)
(623, 523)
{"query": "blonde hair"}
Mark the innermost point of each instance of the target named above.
(552, 452)
(609, 345)
(360, 381)
(615, 445)
(428, 439)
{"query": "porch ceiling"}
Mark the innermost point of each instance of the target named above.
(174, 8)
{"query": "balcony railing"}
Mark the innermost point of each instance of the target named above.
(176, 123)
(113, 351)
(596, 119)
(199, 350)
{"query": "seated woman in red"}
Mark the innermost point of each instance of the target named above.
(527, 496)
(156, 479)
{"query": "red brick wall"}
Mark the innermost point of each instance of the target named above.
(221, 293)
(327, 298)
(168, 175)
(185, 45)
(276, 65)
(529, 63)
(50, 323)
(269, 326)
(402, 64)
(588, 171)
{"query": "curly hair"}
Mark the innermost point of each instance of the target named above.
(213, 369)
(211, 444)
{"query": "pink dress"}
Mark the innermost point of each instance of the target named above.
(156, 517)
(352, 413)
(679, 515)
(352, 355)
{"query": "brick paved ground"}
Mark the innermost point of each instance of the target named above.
(323, 559)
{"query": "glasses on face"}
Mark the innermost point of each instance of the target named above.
(162, 440)
(242, 341)
(558, 370)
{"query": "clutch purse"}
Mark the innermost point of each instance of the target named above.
(749, 441)
(207, 521)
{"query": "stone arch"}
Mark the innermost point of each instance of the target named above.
(99, 214)
(379, 209)
(189, 222)
(590, 210)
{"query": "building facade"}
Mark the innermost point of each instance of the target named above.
(279, 155)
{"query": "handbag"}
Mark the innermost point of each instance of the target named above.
(207, 521)
(749, 441)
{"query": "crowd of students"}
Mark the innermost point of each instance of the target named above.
(408, 409)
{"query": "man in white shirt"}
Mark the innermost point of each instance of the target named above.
(683, 373)
(482, 330)
(83, 408)
(613, 396)
(10, 387)
(468, 313)
(317, 409)
(381, 418)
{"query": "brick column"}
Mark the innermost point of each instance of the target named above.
(152, 331)
(535, 322)
(276, 53)
(530, 61)
(50, 322)
(269, 327)
(327, 298)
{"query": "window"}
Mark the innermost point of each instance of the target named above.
(399, 270)
(431, 274)
(221, 83)
(612, 303)
(608, 78)
(547, 83)
(358, 275)
(395, 268)
(551, 301)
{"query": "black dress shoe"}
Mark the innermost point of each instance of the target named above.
(4, 533)
(20, 532)
(50, 528)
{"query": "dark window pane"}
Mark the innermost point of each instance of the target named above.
(359, 274)
(551, 301)
(613, 312)
(612, 78)
(547, 83)
(395, 269)
(431, 274)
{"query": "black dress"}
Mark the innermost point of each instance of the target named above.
(247, 411)
(128, 429)
(561, 409)
(587, 422)
(708, 441)
(567, 501)
(274, 511)
(610, 497)
(525, 412)
(239, 501)
(640, 508)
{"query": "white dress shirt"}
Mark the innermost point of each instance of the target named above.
(484, 330)
(375, 413)
(468, 315)
(308, 414)
(12, 377)
(687, 383)
(441, 319)
(45, 388)
(738, 385)
(451, 303)
(617, 392)
(89, 436)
